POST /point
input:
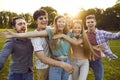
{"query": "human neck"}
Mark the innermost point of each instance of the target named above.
(60, 31)
(39, 29)
(91, 30)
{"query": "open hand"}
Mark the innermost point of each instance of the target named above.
(67, 67)
(8, 34)
(56, 36)
(99, 47)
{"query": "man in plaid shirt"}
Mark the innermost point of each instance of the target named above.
(99, 37)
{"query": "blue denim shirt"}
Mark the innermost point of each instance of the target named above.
(21, 55)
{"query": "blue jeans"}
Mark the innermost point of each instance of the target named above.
(20, 76)
(57, 73)
(97, 68)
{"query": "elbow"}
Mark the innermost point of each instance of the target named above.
(43, 59)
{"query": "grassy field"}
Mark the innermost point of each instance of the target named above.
(111, 68)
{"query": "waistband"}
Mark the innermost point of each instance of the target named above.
(62, 57)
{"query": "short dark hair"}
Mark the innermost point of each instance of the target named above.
(13, 22)
(39, 13)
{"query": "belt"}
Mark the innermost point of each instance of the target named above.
(62, 57)
(57, 57)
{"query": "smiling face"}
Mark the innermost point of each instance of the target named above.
(42, 22)
(91, 23)
(20, 26)
(60, 24)
(77, 28)
(41, 19)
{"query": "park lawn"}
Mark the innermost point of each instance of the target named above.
(111, 68)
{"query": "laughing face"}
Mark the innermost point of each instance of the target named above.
(42, 22)
(61, 23)
(91, 23)
(77, 28)
(20, 26)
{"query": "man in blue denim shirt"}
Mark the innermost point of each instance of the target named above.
(99, 37)
(21, 51)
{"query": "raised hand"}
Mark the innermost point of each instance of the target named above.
(8, 34)
(99, 47)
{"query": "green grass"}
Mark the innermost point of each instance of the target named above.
(111, 68)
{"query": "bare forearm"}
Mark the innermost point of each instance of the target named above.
(31, 34)
(72, 41)
(49, 61)
(67, 67)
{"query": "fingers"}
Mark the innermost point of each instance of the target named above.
(2, 34)
(9, 31)
(53, 37)
(112, 56)
(115, 56)
(70, 72)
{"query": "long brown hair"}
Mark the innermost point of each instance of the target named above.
(53, 43)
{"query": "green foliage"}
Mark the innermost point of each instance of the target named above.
(111, 68)
(108, 19)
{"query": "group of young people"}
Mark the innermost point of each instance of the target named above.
(52, 47)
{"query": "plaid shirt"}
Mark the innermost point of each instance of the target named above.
(103, 36)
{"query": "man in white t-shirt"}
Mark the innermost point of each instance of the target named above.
(40, 45)
(41, 49)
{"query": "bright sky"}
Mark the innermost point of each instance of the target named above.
(62, 6)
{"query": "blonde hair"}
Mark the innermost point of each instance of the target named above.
(88, 49)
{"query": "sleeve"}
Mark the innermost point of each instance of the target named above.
(37, 43)
(4, 53)
(111, 36)
(48, 30)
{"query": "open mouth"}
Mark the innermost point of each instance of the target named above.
(23, 30)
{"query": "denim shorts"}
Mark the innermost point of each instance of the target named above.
(57, 73)
(20, 76)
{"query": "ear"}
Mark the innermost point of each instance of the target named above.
(35, 21)
(14, 27)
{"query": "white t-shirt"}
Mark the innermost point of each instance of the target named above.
(40, 43)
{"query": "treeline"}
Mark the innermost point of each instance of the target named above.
(108, 19)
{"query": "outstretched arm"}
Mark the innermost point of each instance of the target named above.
(72, 41)
(10, 34)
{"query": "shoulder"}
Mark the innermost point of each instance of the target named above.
(100, 31)
(10, 40)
